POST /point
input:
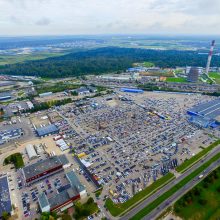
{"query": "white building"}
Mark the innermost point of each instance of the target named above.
(32, 154)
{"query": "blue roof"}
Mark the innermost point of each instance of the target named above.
(132, 90)
(5, 200)
(47, 130)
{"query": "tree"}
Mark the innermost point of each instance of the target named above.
(66, 217)
(5, 215)
(202, 201)
(90, 200)
(74, 93)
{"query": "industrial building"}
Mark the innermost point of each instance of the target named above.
(47, 130)
(44, 168)
(193, 75)
(132, 90)
(206, 114)
(5, 199)
(7, 135)
(5, 96)
(92, 89)
(66, 196)
(82, 91)
(45, 94)
(31, 152)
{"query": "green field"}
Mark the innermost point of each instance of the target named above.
(20, 58)
(189, 163)
(203, 201)
(57, 87)
(144, 64)
(215, 76)
(174, 189)
(117, 209)
(176, 79)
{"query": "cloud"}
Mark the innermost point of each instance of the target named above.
(27, 17)
(43, 21)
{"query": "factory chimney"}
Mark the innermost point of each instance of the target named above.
(209, 58)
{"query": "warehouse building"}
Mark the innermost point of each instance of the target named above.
(132, 90)
(32, 154)
(44, 168)
(45, 94)
(5, 199)
(65, 197)
(206, 114)
(47, 130)
(82, 91)
(5, 96)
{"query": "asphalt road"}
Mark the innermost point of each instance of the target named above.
(183, 190)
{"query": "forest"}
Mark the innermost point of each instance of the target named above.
(105, 60)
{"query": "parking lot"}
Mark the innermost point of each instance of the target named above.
(130, 140)
(17, 122)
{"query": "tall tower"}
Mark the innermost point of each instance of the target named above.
(209, 58)
(193, 75)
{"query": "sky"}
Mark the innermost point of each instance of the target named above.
(74, 17)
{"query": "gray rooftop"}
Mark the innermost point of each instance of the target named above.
(74, 181)
(42, 166)
(82, 89)
(43, 201)
(5, 200)
(47, 130)
(62, 197)
(63, 159)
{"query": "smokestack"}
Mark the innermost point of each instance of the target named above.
(210, 58)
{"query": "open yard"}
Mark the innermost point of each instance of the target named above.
(176, 79)
(215, 76)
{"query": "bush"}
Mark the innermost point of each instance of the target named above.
(16, 159)
(202, 201)
(82, 211)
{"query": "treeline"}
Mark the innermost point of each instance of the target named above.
(152, 87)
(103, 60)
(213, 94)
(57, 87)
(47, 105)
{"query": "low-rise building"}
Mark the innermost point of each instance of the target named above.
(65, 198)
(47, 130)
(43, 168)
(32, 154)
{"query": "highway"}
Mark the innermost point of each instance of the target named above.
(176, 195)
